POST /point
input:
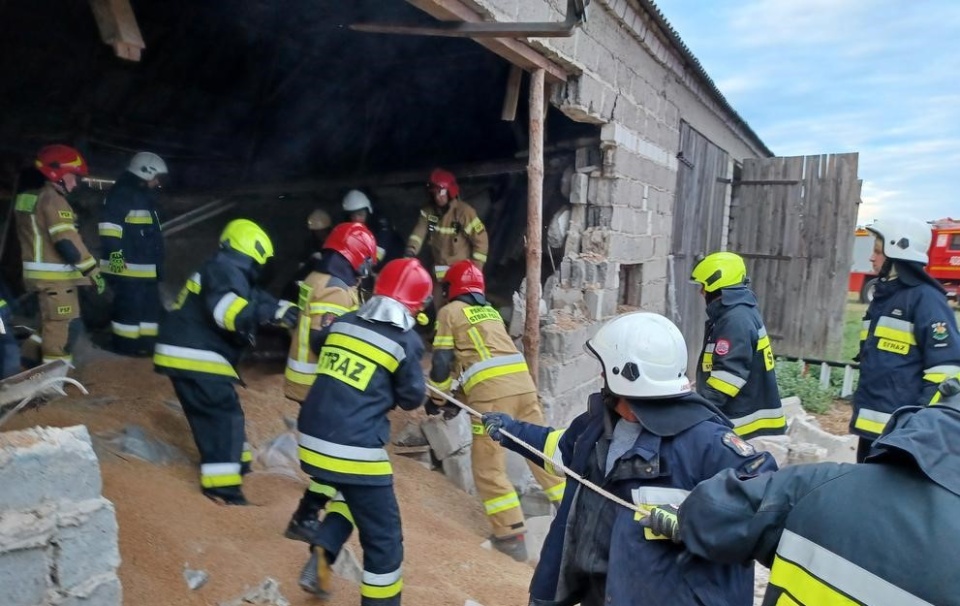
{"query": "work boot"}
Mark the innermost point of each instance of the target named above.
(316, 575)
(306, 529)
(227, 495)
(514, 546)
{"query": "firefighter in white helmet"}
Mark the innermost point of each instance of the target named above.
(647, 438)
(132, 253)
(908, 341)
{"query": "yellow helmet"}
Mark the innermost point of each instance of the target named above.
(248, 238)
(719, 270)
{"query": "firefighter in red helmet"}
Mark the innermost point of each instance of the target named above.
(55, 259)
(472, 343)
(369, 363)
(450, 226)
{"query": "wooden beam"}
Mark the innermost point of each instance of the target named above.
(512, 50)
(118, 27)
(531, 326)
(511, 97)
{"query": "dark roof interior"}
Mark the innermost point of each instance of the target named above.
(252, 91)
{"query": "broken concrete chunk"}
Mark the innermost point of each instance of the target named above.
(195, 578)
(281, 455)
(265, 594)
(135, 441)
(348, 566)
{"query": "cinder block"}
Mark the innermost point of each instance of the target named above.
(839, 449)
(519, 473)
(448, 437)
(564, 341)
(24, 575)
(87, 541)
(600, 303)
(47, 464)
(557, 378)
(579, 185)
(458, 470)
(102, 590)
(561, 409)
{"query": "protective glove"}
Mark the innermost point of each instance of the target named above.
(117, 262)
(493, 422)
(434, 407)
(663, 520)
(287, 314)
(96, 278)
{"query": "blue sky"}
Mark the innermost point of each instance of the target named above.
(879, 77)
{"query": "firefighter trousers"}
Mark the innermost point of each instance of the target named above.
(135, 314)
(216, 420)
(59, 323)
(376, 515)
(489, 460)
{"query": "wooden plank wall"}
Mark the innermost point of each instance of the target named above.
(794, 223)
(697, 230)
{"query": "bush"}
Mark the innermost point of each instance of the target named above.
(792, 382)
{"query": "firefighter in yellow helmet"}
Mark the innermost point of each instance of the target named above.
(736, 369)
(55, 259)
(472, 343)
(213, 320)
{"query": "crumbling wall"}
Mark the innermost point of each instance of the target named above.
(58, 535)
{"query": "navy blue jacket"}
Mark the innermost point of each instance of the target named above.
(129, 223)
(736, 370)
(908, 345)
(598, 548)
(365, 369)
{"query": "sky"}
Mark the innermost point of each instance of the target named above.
(878, 77)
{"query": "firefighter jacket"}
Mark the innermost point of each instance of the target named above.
(454, 233)
(682, 442)
(130, 230)
(322, 299)
(214, 318)
(50, 245)
(369, 364)
(736, 370)
(881, 533)
(908, 345)
(483, 355)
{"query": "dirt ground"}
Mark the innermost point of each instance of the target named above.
(166, 524)
(837, 419)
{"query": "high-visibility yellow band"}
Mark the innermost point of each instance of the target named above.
(762, 343)
(501, 503)
(444, 385)
(381, 592)
(491, 373)
(555, 493)
(479, 256)
(232, 311)
(60, 228)
(300, 378)
(806, 587)
(221, 481)
(550, 448)
(893, 333)
(357, 468)
(318, 488)
(723, 387)
(340, 508)
(474, 226)
(316, 309)
(443, 342)
(371, 352)
(759, 424)
(246, 456)
(209, 367)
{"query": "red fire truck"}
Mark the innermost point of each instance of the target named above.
(944, 262)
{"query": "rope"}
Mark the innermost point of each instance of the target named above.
(37, 390)
(557, 465)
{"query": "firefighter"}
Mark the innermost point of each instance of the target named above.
(132, 249)
(908, 341)
(214, 318)
(319, 224)
(736, 370)
(825, 530)
(450, 226)
(369, 364)
(9, 349)
(358, 208)
(472, 343)
(647, 438)
(326, 294)
(55, 259)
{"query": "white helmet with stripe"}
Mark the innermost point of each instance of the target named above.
(147, 165)
(643, 355)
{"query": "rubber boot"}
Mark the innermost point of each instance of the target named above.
(514, 546)
(227, 495)
(316, 575)
(305, 523)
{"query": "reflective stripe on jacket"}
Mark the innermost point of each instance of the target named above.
(129, 224)
(453, 235)
(44, 218)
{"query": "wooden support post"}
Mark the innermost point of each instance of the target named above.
(512, 95)
(531, 331)
(118, 27)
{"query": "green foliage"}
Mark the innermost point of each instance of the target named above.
(792, 382)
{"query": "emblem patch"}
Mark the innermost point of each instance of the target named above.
(939, 331)
(722, 347)
(738, 445)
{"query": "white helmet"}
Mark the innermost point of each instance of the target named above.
(904, 238)
(147, 165)
(356, 200)
(643, 356)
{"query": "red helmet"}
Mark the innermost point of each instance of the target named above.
(355, 242)
(406, 281)
(464, 277)
(446, 180)
(55, 161)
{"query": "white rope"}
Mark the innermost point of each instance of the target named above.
(38, 389)
(566, 470)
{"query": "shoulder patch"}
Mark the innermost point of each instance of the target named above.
(65, 214)
(722, 347)
(738, 445)
(939, 331)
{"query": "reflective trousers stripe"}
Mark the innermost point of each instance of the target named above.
(197, 360)
(381, 586)
(501, 503)
(871, 421)
(218, 475)
(491, 368)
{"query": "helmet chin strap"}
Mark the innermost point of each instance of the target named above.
(885, 268)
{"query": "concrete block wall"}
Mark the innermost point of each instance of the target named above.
(58, 535)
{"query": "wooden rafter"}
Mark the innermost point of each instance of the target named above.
(118, 27)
